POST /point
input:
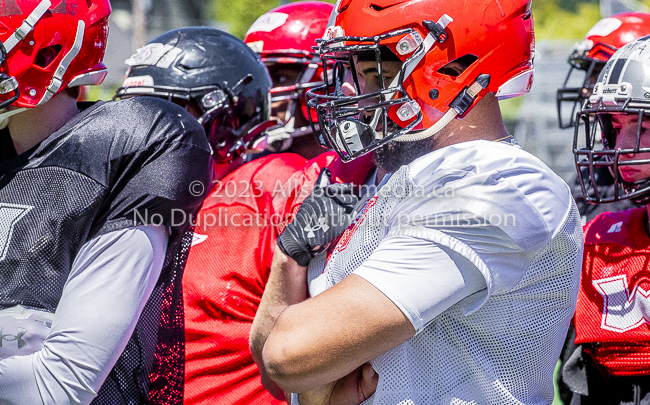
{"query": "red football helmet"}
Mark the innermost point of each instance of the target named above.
(48, 46)
(589, 57)
(452, 53)
(286, 35)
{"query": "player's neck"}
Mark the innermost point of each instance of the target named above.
(484, 121)
(31, 127)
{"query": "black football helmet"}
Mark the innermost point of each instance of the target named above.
(212, 74)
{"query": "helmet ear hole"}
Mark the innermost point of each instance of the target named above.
(457, 66)
(47, 55)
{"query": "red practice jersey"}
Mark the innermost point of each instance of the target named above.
(613, 313)
(229, 264)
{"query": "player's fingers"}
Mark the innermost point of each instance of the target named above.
(369, 381)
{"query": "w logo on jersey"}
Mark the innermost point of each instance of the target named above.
(622, 310)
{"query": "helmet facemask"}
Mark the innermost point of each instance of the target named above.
(578, 85)
(597, 150)
(356, 124)
(288, 99)
(616, 121)
(8, 84)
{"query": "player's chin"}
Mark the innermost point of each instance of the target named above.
(634, 174)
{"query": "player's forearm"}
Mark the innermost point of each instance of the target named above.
(287, 285)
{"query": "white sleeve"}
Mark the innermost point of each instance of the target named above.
(110, 281)
(422, 278)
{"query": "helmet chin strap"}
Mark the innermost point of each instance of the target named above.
(27, 26)
(432, 130)
(457, 107)
(5, 115)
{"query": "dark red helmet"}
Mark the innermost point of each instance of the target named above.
(589, 57)
(49, 46)
(452, 54)
(286, 35)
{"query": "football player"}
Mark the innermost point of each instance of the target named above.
(611, 363)
(586, 60)
(91, 255)
(468, 241)
(284, 37)
(238, 224)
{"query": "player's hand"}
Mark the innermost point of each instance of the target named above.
(323, 216)
(352, 389)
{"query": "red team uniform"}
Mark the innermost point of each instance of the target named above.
(613, 312)
(229, 265)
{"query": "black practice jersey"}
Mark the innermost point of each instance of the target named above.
(115, 165)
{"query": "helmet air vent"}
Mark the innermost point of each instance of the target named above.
(457, 66)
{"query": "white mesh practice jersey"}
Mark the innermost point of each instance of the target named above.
(511, 217)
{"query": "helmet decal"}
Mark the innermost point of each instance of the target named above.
(145, 81)
(605, 27)
(10, 8)
(268, 22)
(160, 55)
(65, 7)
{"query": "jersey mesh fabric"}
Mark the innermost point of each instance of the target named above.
(224, 281)
(166, 379)
(505, 351)
(23, 188)
(617, 251)
(228, 268)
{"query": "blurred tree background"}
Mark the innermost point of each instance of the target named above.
(239, 15)
(564, 19)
